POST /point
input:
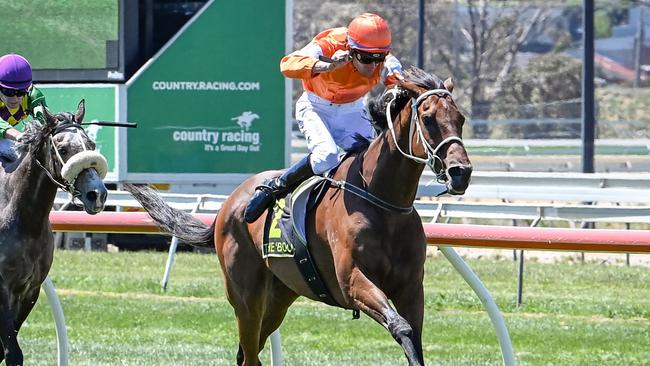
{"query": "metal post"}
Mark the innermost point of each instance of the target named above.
(59, 321)
(520, 279)
(170, 262)
(520, 275)
(638, 47)
(88, 242)
(490, 305)
(172, 250)
(420, 50)
(588, 117)
(276, 349)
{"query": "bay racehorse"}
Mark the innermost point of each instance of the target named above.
(54, 154)
(368, 242)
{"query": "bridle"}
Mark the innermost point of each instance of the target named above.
(430, 161)
(414, 127)
(76, 163)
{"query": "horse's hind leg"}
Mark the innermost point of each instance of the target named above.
(373, 302)
(259, 314)
(247, 288)
(276, 309)
(249, 327)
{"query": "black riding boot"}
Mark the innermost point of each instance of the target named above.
(266, 194)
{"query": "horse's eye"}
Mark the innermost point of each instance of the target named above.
(63, 151)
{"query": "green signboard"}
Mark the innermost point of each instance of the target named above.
(212, 101)
(100, 101)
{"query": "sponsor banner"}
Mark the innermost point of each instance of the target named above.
(212, 101)
(100, 106)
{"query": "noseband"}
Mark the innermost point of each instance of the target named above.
(414, 127)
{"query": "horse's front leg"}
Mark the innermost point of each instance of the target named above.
(409, 302)
(372, 301)
(13, 355)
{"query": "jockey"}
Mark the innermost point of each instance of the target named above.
(18, 99)
(337, 68)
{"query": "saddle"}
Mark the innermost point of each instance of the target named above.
(285, 234)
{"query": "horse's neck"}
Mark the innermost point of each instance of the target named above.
(389, 174)
(32, 192)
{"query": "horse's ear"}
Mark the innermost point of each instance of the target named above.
(50, 120)
(449, 84)
(81, 111)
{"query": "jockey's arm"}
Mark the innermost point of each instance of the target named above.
(37, 104)
(304, 63)
(4, 128)
(392, 71)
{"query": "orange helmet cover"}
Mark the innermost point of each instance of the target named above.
(369, 32)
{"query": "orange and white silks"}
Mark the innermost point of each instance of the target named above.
(343, 85)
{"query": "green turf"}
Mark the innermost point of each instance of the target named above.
(62, 34)
(573, 314)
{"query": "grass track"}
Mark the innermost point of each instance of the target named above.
(573, 315)
(60, 34)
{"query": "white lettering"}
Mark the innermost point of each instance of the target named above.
(201, 135)
(241, 136)
(206, 85)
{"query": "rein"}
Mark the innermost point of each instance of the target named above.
(414, 127)
(362, 193)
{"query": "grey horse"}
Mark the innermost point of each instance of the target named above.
(54, 154)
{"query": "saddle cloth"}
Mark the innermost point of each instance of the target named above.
(285, 234)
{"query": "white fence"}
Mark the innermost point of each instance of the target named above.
(572, 197)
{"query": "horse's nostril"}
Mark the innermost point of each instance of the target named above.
(459, 178)
(460, 172)
(91, 196)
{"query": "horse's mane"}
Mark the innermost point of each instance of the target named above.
(33, 137)
(377, 106)
(37, 131)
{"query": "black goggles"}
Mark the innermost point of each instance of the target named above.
(13, 92)
(369, 57)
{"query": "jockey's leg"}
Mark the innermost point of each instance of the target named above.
(7, 151)
(312, 115)
(266, 194)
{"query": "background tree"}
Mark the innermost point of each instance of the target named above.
(490, 37)
(548, 88)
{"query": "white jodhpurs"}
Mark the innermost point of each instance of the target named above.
(328, 126)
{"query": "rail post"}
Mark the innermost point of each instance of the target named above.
(59, 321)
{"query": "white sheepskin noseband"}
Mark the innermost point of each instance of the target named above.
(84, 160)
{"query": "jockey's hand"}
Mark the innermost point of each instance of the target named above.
(339, 59)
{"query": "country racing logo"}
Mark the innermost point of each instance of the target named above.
(245, 120)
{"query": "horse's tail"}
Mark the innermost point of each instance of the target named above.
(178, 223)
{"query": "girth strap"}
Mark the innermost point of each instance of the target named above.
(303, 259)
